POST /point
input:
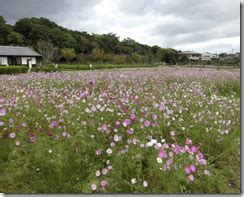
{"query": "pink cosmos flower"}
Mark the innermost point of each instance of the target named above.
(104, 127)
(93, 187)
(202, 162)
(12, 135)
(105, 171)
(104, 183)
(155, 117)
(200, 155)
(176, 149)
(130, 131)
(132, 116)
(188, 141)
(2, 112)
(191, 178)
(32, 139)
(206, 172)
(172, 133)
(98, 152)
(146, 123)
(187, 170)
(17, 143)
(53, 124)
(193, 168)
(192, 150)
(165, 145)
(169, 162)
(1, 123)
(110, 167)
(126, 122)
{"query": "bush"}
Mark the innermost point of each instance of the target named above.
(45, 69)
(13, 69)
(102, 66)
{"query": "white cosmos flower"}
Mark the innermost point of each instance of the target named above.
(116, 138)
(153, 141)
(145, 183)
(149, 144)
(159, 160)
(109, 151)
(133, 180)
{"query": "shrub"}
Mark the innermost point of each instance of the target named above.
(13, 69)
(45, 69)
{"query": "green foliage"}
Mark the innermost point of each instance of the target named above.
(45, 69)
(68, 53)
(102, 66)
(7, 34)
(168, 56)
(13, 69)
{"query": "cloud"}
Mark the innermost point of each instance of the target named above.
(202, 25)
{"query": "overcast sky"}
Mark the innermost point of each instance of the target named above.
(210, 25)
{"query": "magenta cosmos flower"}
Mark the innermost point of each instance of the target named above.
(162, 154)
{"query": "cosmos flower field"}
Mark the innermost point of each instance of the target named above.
(157, 130)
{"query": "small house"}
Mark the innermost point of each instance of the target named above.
(209, 56)
(12, 55)
(191, 55)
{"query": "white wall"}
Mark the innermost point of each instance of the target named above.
(24, 60)
(3, 60)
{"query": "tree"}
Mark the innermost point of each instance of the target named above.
(7, 34)
(98, 55)
(182, 59)
(168, 56)
(68, 53)
(49, 52)
(15, 38)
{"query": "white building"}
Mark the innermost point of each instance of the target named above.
(191, 55)
(209, 56)
(10, 55)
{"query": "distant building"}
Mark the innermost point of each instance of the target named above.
(237, 54)
(229, 55)
(10, 55)
(191, 55)
(209, 56)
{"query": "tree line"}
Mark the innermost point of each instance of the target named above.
(59, 44)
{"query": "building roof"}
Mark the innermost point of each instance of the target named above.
(17, 51)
